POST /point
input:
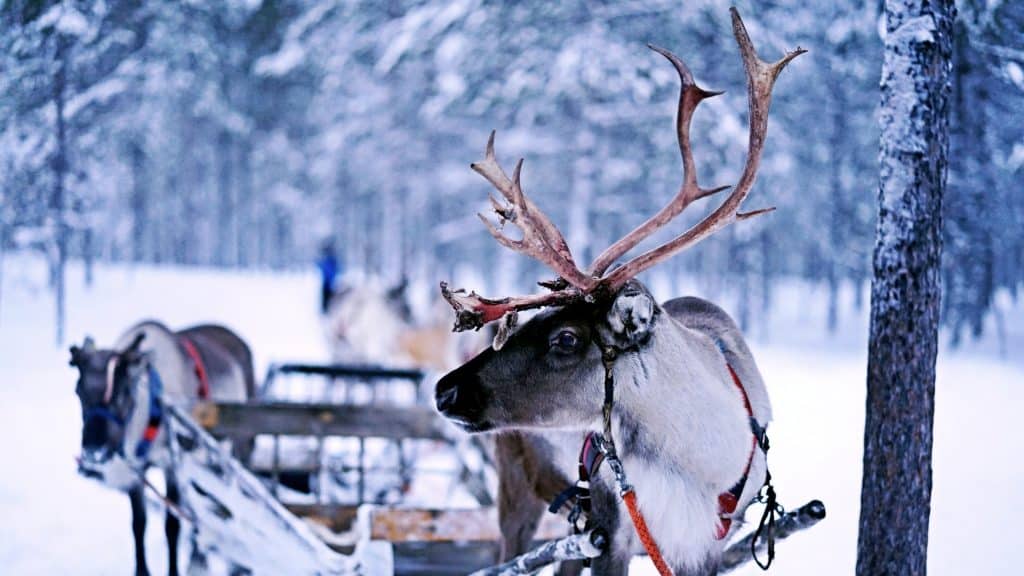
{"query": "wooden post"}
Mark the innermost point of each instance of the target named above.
(275, 472)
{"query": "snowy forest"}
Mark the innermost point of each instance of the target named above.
(278, 199)
(245, 133)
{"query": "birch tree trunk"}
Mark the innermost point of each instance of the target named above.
(897, 481)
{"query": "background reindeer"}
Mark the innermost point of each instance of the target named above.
(370, 324)
(122, 391)
(674, 384)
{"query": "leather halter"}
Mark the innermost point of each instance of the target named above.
(154, 411)
(155, 415)
(728, 500)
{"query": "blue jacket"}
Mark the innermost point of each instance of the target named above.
(329, 269)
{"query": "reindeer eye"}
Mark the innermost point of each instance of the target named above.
(565, 341)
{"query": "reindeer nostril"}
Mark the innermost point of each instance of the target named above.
(447, 398)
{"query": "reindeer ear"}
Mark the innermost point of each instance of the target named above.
(76, 356)
(132, 351)
(631, 317)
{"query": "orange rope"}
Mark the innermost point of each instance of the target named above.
(644, 533)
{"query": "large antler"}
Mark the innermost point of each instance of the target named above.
(760, 80)
(690, 95)
(542, 240)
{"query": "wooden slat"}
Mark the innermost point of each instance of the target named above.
(468, 525)
(292, 419)
(443, 558)
(337, 518)
(367, 372)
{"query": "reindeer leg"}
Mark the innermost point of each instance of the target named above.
(172, 526)
(519, 509)
(605, 502)
(518, 518)
(197, 564)
(138, 501)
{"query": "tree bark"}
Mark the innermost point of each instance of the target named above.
(224, 254)
(88, 253)
(139, 203)
(897, 481)
(838, 212)
(57, 201)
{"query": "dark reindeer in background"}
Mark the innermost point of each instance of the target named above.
(689, 405)
(122, 391)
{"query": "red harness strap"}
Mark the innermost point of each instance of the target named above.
(197, 363)
(727, 501)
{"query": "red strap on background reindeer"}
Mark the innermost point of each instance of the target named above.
(200, 368)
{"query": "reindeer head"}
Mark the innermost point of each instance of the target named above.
(549, 372)
(105, 390)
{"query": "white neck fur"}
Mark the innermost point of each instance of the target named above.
(683, 434)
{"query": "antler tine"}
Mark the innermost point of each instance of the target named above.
(492, 171)
(473, 311)
(690, 95)
(541, 239)
(760, 80)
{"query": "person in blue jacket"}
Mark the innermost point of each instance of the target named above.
(330, 269)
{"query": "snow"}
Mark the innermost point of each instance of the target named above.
(100, 93)
(281, 62)
(905, 117)
(1016, 74)
(66, 19)
(55, 522)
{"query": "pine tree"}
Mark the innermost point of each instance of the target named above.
(897, 480)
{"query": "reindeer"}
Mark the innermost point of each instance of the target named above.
(369, 324)
(123, 391)
(669, 393)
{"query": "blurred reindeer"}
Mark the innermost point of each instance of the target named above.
(123, 391)
(374, 325)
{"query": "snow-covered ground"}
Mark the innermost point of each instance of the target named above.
(54, 522)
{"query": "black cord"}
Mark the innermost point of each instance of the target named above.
(766, 526)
